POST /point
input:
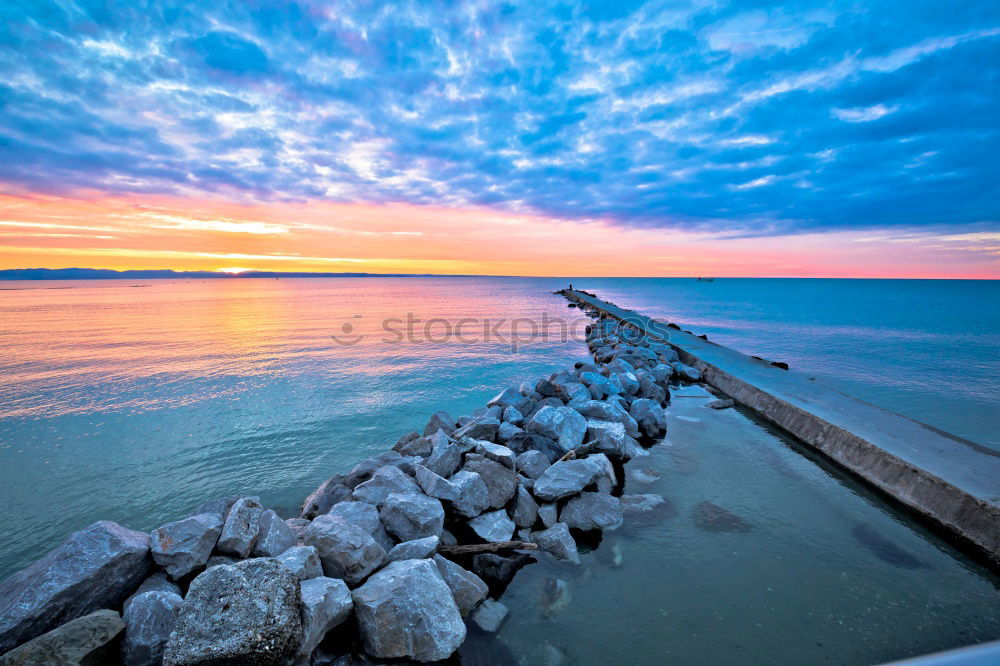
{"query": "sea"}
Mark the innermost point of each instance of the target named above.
(135, 400)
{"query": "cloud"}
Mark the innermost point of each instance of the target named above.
(705, 115)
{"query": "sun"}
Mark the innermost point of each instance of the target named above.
(234, 270)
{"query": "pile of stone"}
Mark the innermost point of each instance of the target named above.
(388, 561)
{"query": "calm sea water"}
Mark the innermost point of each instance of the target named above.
(134, 401)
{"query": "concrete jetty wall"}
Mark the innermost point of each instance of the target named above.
(952, 482)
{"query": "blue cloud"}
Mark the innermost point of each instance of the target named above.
(749, 117)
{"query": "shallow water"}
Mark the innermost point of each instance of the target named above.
(135, 403)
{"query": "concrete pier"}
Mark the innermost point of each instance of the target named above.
(952, 482)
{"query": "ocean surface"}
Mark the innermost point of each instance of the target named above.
(136, 400)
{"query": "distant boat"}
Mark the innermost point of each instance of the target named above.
(703, 279)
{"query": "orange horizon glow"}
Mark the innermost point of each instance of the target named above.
(158, 231)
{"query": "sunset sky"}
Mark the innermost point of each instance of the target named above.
(619, 138)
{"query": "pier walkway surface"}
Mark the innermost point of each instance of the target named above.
(952, 482)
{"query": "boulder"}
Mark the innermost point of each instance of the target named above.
(593, 511)
(185, 545)
(548, 513)
(661, 374)
(484, 428)
(508, 431)
(607, 479)
(498, 570)
(565, 478)
(274, 536)
(722, 403)
(216, 560)
(298, 527)
(245, 613)
(524, 442)
(219, 507)
(500, 480)
(686, 372)
(439, 421)
(610, 410)
(525, 509)
(472, 495)
(149, 619)
(531, 463)
(558, 542)
(467, 588)
(158, 582)
(86, 641)
(629, 381)
(600, 386)
(542, 404)
(418, 446)
(490, 615)
(417, 549)
(365, 516)
(346, 551)
(329, 493)
(365, 469)
(512, 399)
(513, 416)
(493, 527)
(384, 482)
(302, 561)
(563, 424)
(496, 453)
(607, 436)
(640, 504)
(652, 391)
(445, 456)
(407, 611)
(97, 567)
(409, 516)
(650, 416)
(239, 533)
(713, 518)
(326, 602)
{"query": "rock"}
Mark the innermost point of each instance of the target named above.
(445, 456)
(501, 481)
(610, 410)
(638, 504)
(650, 416)
(158, 582)
(448, 539)
(418, 446)
(642, 475)
(511, 399)
(713, 518)
(303, 561)
(245, 613)
(498, 570)
(493, 527)
(556, 596)
(525, 510)
(558, 542)
(607, 479)
(439, 421)
(686, 372)
(496, 453)
(239, 533)
(274, 536)
(329, 493)
(484, 428)
(467, 588)
(490, 615)
(507, 431)
(434, 485)
(85, 640)
(524, 442)
(216, 560)
(149, 619)
(542, 404)
(219, 507)
(97, 567)
(608, 436)
(409, 516)
(600, 386)
(548, 514)
(407, 611)
(661, 374)
(384, 482)
(593, 511)
(417, 549)
(366, 469)
(650, 390)
(531, 463)
(629, 382)
(513, 416)
(365, 516)
(404, 441)
(346, 551)
(563, 424)
(298, 527)
(326, 602)
(565, 478)
(721, 403)
(472, 495)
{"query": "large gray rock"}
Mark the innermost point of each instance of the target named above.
(650, 416)
(149, 619)
(415, 446)
(329, 493)
(409, 516)
(607, 479)
(496, 453)
(298, 527)
(563, 424)
(245, 613)
(239, 533)
(531, 463)
(365, 516)
(501, 481)
(490, 615)
(593, 511)
(346, 551)
(565, 478)
(629, 382)
(507, 431)
(439, 421)
(472, 495)
(608, 436)
(484, 428)
(686, 372)
(302, 561)
(651, 390)
(417, 549)
(384, 482)
(445, 456)
(407, 611)
(640, 505)
(97, 567)
(548, 513)
(85, 641)
(525, 509)
(512, 399)
(326, 602)
(513, 416)
(467, 588)
(158, 582)
(524, 442)
(494, 526)
(609, 410)
(219, 507)
(274, 536)
(558, 542)
(600, 386)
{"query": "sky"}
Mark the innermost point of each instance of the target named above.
(720, 138)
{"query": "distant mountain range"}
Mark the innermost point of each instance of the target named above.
(108, 274)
